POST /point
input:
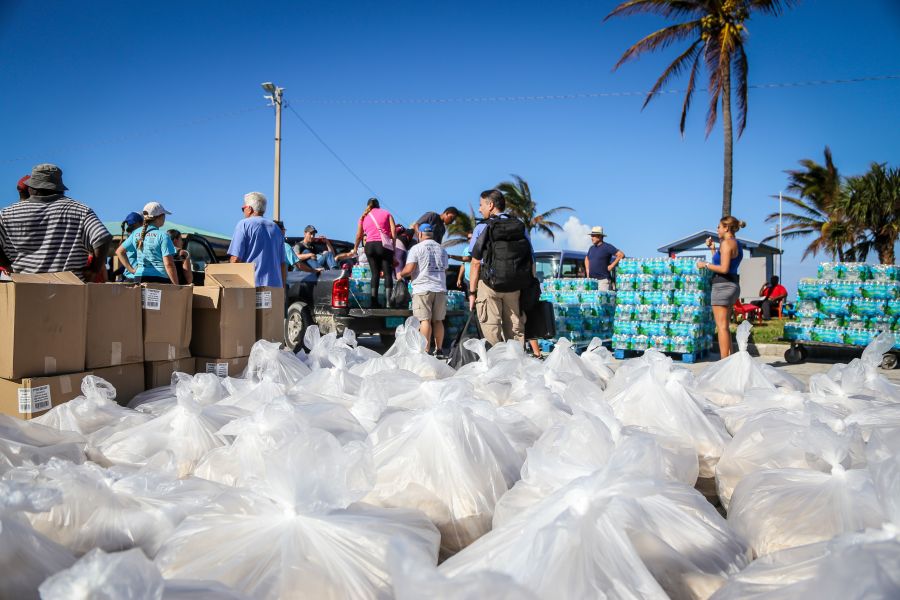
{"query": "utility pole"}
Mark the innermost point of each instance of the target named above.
(275, 97)
(780, 247)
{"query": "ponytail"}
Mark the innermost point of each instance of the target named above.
(147, 220)
(372, 203)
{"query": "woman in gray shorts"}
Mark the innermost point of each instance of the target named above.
(725, 287)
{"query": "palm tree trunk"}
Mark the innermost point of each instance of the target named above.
(885, 248)
(729, 141)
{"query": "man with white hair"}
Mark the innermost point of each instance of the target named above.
(259, 241)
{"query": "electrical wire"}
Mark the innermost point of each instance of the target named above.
(582, 96)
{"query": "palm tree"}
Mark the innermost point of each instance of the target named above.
(818, 191)
(519, 203)
(717, 35)
(872, 202)
(460, 228)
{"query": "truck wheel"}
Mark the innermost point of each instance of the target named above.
(795, 355)
(889, 361)
(295, 325)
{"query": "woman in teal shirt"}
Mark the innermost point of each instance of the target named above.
(155, 250)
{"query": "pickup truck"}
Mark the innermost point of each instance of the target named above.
(325, 300)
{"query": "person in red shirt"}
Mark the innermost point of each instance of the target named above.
(773, 293)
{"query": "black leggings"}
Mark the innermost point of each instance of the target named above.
(381, 260)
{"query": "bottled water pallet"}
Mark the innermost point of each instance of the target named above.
(685, 357)
(579, 346)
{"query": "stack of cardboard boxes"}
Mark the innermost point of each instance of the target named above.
(55, 330)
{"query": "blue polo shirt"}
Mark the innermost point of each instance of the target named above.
(149, 259)
(259, 241)
(599, 257)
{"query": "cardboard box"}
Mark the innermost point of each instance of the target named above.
(159, 373)
(224, 312)
(31, 397)
(223, 367)
(43, 321)
(127, 379)
(270, 314)
(115, 332)
(167, 321)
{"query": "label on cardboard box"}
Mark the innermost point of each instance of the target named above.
(151, 299)
(33, 400)
(263, 300)
(220, 369)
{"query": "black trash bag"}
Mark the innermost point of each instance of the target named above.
(400, 297)
(540, 322)
(459, 355)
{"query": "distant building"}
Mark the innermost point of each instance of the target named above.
(757, 267)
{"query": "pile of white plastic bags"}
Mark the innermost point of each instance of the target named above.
(342, 473)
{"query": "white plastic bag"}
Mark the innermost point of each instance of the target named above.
(299, 533)
(725, 382)
(268, 361)
(26, 443)
(654, 396)
(778, 439)
(785, 508)
(180, 437)
(598, 359)
(26, 556)
(112, 509)
(601, 536)
(447, 462)
(127, 575)
(416, 577)
(94, 414)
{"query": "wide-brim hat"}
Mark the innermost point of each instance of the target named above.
(47, 177)
(597, 231)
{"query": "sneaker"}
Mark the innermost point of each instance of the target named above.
(439, 354)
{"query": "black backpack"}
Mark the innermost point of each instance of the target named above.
(506, 265)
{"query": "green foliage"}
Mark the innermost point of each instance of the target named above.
(519, 203)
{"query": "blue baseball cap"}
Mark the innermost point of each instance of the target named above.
(134, 218)
(425, 228)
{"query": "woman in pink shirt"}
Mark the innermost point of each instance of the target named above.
(379, 229)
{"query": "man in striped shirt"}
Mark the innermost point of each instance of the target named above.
(49, 232)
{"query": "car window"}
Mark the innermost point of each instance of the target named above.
(570, 267)
(200, 256)
(545, 267)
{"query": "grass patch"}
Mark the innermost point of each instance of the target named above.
(767, 332)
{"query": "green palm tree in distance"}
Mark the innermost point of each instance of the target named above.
(716, 34)
(519, 203)
(817, 192)
(872, 203)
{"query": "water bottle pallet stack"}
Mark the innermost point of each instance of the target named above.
(663, 303)
(847, 304)
(582, 311)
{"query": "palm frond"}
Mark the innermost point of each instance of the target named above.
(659, 40)
(674, 69)
(740, 74)
(665, 8)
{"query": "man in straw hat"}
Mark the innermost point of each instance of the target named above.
(601, 259)
(48, 232)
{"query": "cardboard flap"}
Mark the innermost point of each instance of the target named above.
(231, 275)
(64, 278)
(206, 297)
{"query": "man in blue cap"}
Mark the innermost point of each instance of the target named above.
(426, 263)
(131, 222)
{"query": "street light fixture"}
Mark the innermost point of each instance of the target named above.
(275, 97)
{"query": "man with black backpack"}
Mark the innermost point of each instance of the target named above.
(502, 266)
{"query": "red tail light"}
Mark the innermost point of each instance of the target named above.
(340, 293)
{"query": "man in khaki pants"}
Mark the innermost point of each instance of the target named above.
(502, 266)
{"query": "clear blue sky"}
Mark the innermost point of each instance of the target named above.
(141, 101)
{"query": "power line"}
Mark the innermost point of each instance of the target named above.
(138, 134)
(582, 96)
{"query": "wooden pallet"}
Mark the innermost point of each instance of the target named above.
(685, 357)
